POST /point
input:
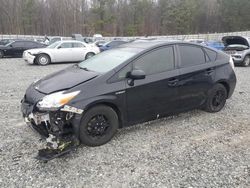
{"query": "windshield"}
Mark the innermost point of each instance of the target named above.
(107, 60)
(9, 43)
(54, 45)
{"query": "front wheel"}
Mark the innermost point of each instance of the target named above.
(216, 100)
(42, 59)
(1, 54)
(98, 126)
(246, 61)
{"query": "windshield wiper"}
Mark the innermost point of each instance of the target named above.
(84, 68)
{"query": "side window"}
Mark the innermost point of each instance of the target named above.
(66, 45)
(17, 44)
(159, 60)
(29, 44)
(112, 44)
(123, 73)
(78, 45)
(211, 54)
(115, 43)
(191, 55)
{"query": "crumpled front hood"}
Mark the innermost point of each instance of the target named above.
(35, 51)
(64, 79)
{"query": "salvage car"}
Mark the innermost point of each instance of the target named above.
(17, 47)
(61, 51)
(239, 48)
(134, 83)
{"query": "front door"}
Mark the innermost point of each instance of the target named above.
(64, 53)
(157, 94)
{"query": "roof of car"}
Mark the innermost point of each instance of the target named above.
(151, 43)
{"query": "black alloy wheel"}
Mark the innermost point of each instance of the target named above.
(216, 99)
(98, 125)
(1, 54)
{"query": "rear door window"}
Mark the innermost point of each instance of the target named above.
(78, 45)
(29, 44)
(191, 55)
(66, 45)
(211, 54)
(18, 44)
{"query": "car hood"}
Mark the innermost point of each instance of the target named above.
(64, 79)
(230, 40)
(36, 51)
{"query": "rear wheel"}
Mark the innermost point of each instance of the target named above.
(1, 54)
(216, 100)
(246, 61)
(98, 126)
(89, 55)
(42, 59)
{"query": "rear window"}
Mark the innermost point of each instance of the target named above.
(191, 55)
(211, 54)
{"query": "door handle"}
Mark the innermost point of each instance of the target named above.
(209, 71)
(173, 82)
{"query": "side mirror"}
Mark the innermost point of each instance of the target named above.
(11, 46)
(59, 47)
(135, 75)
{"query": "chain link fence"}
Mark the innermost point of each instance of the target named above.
(212, 36)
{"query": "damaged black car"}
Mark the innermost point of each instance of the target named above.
(134, 83)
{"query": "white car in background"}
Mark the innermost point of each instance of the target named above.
(61, 51)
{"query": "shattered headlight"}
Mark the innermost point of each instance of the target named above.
(56, 100)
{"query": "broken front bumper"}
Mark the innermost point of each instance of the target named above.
(58, 123)
(28, 58)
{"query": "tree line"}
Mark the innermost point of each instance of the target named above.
(123, 17)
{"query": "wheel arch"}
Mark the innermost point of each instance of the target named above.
(111, 105)
(89, 52)
(45, 53)
(225, 84)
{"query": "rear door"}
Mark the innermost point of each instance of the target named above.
(157, 94)
(79, 51)
(197, 74)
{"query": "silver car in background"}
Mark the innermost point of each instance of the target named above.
(239, 48)
(61, 51)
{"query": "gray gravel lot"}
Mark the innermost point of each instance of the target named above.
(194, 149)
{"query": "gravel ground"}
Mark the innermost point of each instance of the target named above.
(194, 149)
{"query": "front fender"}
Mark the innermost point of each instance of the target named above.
(109, 100)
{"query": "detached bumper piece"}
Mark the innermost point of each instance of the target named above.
(57, 147)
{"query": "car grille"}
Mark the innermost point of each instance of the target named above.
(230, 52)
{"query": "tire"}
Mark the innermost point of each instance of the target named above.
(89, 55)
(246, 61)
(1, 54)
(98, 126)
(216, 100)
(42, 59)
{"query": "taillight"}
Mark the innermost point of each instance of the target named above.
(231, 61)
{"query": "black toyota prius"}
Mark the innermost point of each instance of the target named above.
(134, 83)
